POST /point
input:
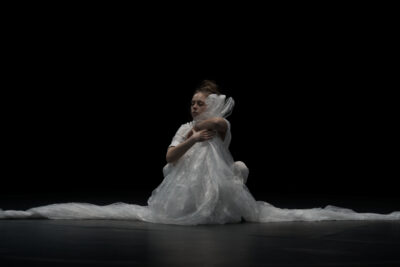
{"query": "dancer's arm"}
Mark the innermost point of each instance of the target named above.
(215, 124)
(176, 152)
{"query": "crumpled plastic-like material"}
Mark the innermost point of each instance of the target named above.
(205, 186)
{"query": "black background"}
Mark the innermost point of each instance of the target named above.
(90, 107)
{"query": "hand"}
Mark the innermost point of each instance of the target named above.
(190, 133)
(203, 135)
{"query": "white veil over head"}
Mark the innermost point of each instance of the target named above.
(217, 106)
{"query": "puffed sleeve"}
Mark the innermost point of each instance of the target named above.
(181, 134)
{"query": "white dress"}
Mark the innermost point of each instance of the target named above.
(205, 186)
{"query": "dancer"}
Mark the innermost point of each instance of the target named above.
(202, 183)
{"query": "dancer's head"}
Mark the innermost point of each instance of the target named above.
(205, 89)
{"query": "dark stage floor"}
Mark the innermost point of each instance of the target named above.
(130, 243)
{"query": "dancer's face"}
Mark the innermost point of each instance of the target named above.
(198, 104)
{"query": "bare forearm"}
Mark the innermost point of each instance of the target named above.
(213, 124)
(175, 153)
(209, 124)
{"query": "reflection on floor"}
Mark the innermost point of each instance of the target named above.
(128, 243)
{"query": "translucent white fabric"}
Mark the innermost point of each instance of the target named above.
(205, 186)
(217, 106)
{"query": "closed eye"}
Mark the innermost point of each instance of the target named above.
(200, 103)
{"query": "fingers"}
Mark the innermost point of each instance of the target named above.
(207, 135)
(208, 131)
